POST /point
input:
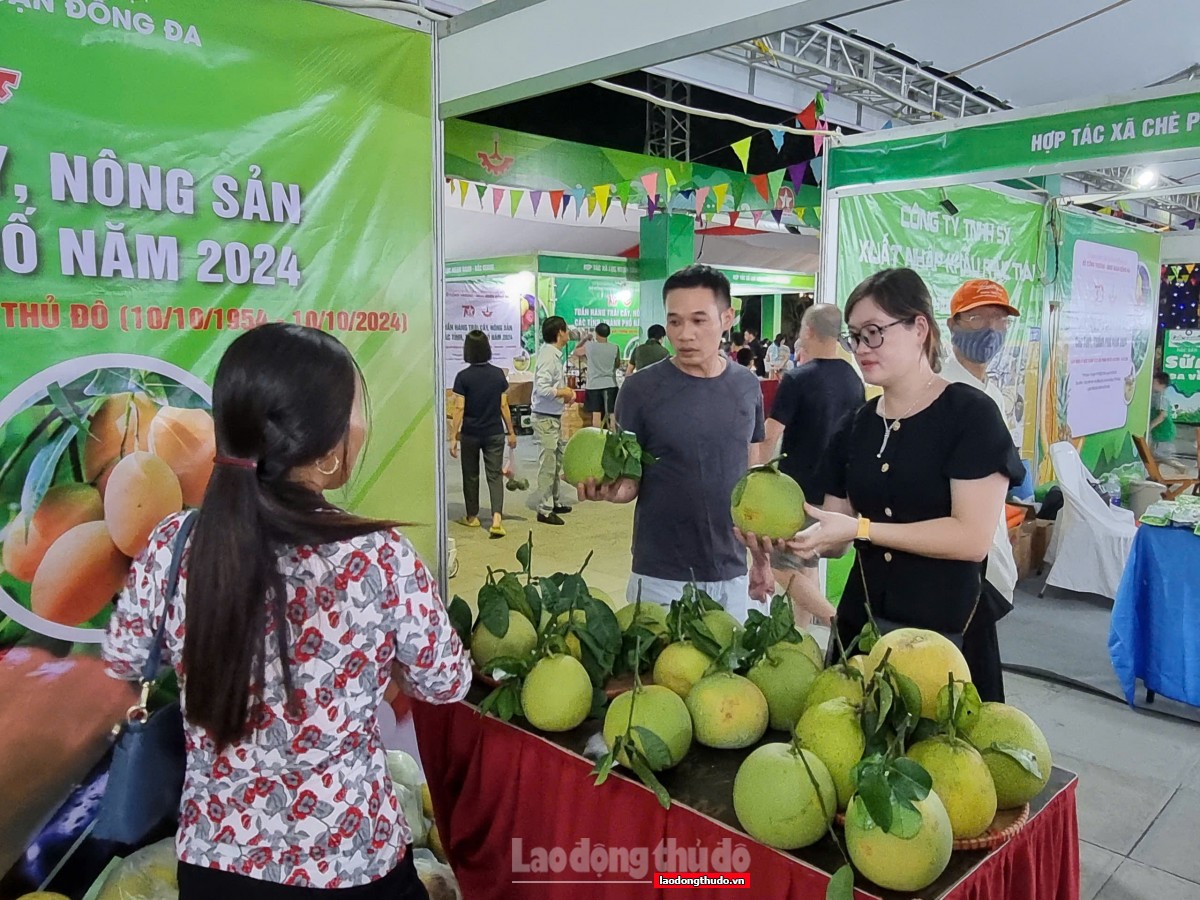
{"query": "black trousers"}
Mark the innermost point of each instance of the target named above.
(492, 449)
(981, 650)
(200, 883)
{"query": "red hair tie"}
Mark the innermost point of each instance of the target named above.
(236, 462)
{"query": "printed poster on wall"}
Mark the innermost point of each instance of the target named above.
(1098, 328)
(586, 302)
(1098, 355)
(991, 236)
(1181, 361)
(494, 306)
(172, 174)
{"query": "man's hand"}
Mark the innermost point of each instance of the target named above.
(623, 490)
(762, 579)
(454, 448)
(565, 394)
(760, 547)
(512, 440)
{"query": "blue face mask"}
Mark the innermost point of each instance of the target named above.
(979, 347)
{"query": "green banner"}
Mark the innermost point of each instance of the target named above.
(1021, 144)
(1181, 361)
(588, 266)
(171, 175)
(992, 236)
(744, 281)
(586, 302)
(484, 154)
(1098, 355)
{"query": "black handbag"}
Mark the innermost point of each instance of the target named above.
(145, 778)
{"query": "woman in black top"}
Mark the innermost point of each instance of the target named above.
(917, 477)
(481, 418)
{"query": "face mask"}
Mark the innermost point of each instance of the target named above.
(978, 346)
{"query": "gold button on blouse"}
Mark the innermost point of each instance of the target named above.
(885, 467)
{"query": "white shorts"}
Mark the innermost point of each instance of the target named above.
(733, 595)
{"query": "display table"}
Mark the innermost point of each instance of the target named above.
(505, 797)
(1155, 631)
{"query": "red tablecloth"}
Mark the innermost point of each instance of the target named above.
(769, 389)
(505, 797)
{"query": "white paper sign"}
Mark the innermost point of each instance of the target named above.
(489, 305)
(1100, 322)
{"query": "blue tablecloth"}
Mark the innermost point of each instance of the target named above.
(1155, 633)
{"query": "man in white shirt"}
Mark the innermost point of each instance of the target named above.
(979, 315)
(550, 396)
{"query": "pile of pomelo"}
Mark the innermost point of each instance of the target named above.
(139, 462)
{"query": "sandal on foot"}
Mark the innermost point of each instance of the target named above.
(497, 531)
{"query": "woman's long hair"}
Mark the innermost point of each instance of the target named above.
(282, 398)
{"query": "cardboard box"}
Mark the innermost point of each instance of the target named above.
(1022, 544)
(520, 393)
(572, 420)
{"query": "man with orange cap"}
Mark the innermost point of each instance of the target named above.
(979, 315)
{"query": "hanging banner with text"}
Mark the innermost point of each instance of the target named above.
(1022, 145)
(586, 302)
(992, 236)
(173, 173)
(1181, 361)
(494, 306)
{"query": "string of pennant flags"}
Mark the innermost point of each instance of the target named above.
(704, 202)
(661, 191)
(1181, 273)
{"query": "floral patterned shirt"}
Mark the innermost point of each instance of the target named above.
(305, 799)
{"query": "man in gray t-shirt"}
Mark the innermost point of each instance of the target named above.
(699, 416)
(603, 357)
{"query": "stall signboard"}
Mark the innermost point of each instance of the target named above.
(1181, 361)
(754, 281)
(586, 302)
(1097, 357)
(992, 235)
(1164, 121)
(494, 306)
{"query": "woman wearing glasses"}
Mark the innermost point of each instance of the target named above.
(916, 478)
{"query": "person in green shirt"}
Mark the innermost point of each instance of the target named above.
(1162, 423)
(650, 352)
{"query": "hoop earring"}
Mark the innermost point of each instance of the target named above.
(337, 464)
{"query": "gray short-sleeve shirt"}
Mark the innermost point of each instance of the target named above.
(700, 431)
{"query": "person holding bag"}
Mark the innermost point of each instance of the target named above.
(290, 619)
(916, 478)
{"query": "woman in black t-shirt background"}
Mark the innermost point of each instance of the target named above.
(917, 478)
(480, 421)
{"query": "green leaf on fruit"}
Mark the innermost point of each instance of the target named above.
(868, 638)
(926, 728)
(637, 762)
(493, 610)
(655, 749)
(460, 618)
(876, 795)
(885, 701)
(910, 694)
(525, 554)
(906, 820)
(1026, 759)
(910, 777)
(841, 885)
(533, 600)
(604, 765)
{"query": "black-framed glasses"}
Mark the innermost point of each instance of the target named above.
(870, 335)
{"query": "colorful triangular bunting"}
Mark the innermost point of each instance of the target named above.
(701, 196)
(817, 167)
(774, 182)
(535, 197)
(733, 217)
(516, 197)
(650, 183)
(497, 198)
(777, 215)
(796, 174)
(762, 185)
(623, 191)
(556, 202)
(742, 150)
(481, 190)
(757, 215)
(719, 191)
(777, 139)
(603, 193)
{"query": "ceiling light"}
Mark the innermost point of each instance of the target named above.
(1146, 178)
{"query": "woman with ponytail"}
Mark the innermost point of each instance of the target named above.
(290, 618)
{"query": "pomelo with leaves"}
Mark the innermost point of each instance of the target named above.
(603, 454)
(768, 503)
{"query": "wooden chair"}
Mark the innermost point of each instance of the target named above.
(1175, 485)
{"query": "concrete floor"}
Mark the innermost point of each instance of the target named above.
(1139, 791)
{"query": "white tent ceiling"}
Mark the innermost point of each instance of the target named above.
(1135, 44)
(473, 234)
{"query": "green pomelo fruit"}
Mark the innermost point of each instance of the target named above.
(784, 676)
(722, 625)
(899, 863)
(557, 694)
(659, 710)
(768, 503)
(962, 782)
(584, 455)
(926, 657)
(580, 617)
(653, 617)
(728, 711)
(999, 723)
(680, 666)
(517, 641)
(833, 731)
(603, 597)
(834, 682)
(775, 800)
(810, 646)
